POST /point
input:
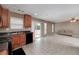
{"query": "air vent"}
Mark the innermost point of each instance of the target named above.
(20, 10)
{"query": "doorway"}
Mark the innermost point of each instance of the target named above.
(37, 30)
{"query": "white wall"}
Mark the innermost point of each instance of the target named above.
(49, 28)
(74, 27)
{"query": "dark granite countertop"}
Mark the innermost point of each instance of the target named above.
(10, 31)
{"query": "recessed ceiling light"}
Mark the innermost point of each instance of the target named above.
(35, 14)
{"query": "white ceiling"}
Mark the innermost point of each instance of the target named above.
(49, 12)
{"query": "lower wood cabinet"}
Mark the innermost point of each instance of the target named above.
(18, 40)
(4, 52)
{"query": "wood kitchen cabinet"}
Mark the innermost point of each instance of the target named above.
(22, 38)
(15, 38)
(27, 21)
(0, 16)
(18, 40)
(5, 17)
(4, 52)
(0, 10)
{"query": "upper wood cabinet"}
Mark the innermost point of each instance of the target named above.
(0, 16)
(5, 17)
(0, 10)
(27, 21)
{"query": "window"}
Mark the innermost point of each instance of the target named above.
(37, 27)
(52, 27)
(45, 28)
(16, 23)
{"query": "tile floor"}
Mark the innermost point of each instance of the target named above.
(53, 45)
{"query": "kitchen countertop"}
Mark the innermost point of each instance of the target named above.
(15, 30)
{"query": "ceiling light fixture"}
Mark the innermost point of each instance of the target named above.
(73, 20)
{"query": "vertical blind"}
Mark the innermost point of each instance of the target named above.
(16, 23)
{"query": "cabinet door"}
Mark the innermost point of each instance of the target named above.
(22, 39)
(15, 41)
(27, 21)
(0, 16)
(18, 40)
(0, 10)
(5, 17)
(4, 52)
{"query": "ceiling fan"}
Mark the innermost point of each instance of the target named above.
(74, 19)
